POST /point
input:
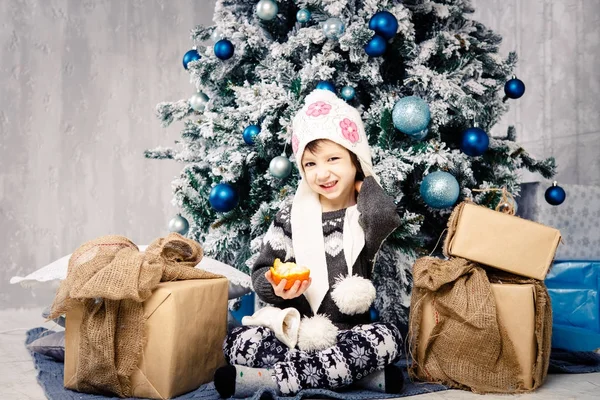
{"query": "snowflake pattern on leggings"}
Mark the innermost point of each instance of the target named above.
(357, 353)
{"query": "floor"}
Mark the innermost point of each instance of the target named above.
(18, 377)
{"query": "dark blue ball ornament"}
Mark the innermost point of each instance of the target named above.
(250, 133)
(384, 24)
(555, 195)
(439, 190)
(190, 56)
(474, 142)
(224, 49)
(326, 85)
(514, 88)
(223, 197)
(376, 46)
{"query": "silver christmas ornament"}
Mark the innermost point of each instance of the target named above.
(198, 101)
(267, 10)
(333, 28)
(280, 167)
(216, 35)
(179, 224)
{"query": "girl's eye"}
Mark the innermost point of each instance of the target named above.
(309, 164)
(334, 158)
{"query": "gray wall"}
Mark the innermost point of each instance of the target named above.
(80, 81)
(558, 43)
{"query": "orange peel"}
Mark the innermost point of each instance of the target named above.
(290, 271)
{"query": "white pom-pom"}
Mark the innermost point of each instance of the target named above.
(316, 333)
(353, 294)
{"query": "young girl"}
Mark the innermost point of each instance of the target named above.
(335, 225)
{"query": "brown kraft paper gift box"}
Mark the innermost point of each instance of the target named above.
(186, 324)
(502, 241)
(515, 306)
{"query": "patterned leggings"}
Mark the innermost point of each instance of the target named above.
(358, 352)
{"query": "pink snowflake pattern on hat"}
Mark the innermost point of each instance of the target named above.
(349, 130)
(295, 143)
(318, 108)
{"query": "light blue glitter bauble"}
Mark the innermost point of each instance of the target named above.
(347, 93)
(303, 16)
(440, 190)
(411, 115)
(333, 28)
(267, 10)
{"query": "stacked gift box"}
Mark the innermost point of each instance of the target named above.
(574, 279)
(511, 256)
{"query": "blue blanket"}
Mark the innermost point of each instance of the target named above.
(50, 377)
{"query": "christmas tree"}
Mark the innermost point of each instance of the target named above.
(428, 81)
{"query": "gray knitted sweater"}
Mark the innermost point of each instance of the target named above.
(378, 218)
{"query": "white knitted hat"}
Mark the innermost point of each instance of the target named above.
(325, 116)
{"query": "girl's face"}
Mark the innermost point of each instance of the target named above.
(330, 173)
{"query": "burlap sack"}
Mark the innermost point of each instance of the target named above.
(112, 278)
(468, 348)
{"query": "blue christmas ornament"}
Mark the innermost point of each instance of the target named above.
(224, 49)
(333, 28)
(514, 88)
(411, 115)
(190, 56)
(303, 16)
(440, 190)
(347, 93)
(374, 314)
(475, 142)
(223, 197)
(555, 195)
(384, 24)
(376, 46)
(250, 133)
(326, 85)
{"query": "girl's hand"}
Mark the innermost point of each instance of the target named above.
(358, 185)
(295, 291)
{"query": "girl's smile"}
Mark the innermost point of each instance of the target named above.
(330, 173)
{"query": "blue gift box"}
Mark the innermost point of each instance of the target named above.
(246, 307)
(574, 291)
